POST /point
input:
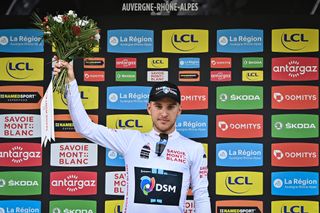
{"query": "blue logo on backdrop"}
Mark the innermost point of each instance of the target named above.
(21, 41)
(127, 97)
(130, 41)
(192, 63)
(240, 41)
(239, 154)
(113, 158)
(18, 206)
(295, 183)
(193, 125)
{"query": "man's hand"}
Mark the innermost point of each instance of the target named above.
(61, 64)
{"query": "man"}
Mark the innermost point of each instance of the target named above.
(160, 165)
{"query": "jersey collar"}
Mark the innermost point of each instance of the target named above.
(154, 134)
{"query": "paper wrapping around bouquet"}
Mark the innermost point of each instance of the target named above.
(47, 117)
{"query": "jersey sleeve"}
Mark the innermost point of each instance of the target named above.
(199, 181)
(117, 140)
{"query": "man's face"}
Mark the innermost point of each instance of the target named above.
(164, 113)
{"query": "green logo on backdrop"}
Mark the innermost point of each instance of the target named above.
(295, 126)
(63, 206)
(252, 62)
(20, 183)
(126, 76)
(240, 97)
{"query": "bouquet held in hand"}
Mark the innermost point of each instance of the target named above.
(71, 37)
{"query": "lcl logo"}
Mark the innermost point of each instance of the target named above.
(117, 209)
(296, 37)
(186, 38)
(21, 66)
(157, 61)
(131, 123)
(239, 181)
(293, 209)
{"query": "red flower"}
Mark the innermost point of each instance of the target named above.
(65, 18)
(45, 19)
(76, 30)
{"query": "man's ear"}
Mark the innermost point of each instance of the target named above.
(149, 108)
(180, 110)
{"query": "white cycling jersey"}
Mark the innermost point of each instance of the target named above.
(154, 184)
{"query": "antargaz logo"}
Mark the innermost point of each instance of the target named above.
(147, 184)
(185, 41)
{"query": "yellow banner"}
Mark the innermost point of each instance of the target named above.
(158, 63)
(185, 41)
(295, 206)
(239, 183)
(143, 123)
(295, 40)
(113, 206)
(89, 96)
(21, 69)
(252, 75)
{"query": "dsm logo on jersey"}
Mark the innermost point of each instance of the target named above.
(193, 125)
(21, 41)
(130, 41)
(240, 40)
(295, 183)
(239, 154)
(127, 97)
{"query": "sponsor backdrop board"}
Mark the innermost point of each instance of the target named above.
(250, 95)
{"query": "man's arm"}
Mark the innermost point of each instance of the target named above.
(117, 140)
(199, 181)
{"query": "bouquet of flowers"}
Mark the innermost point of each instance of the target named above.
(71, 37)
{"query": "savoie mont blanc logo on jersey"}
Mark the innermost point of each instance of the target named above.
(193, 125)
(295, 154)
(185, 41)
(20, 206)
(143, 123)
(70, 206)
(20, 183)
(239, 183)
(295, 183)
(127, 97)
(20, 154)
(239, 154)
(21, 40)
(240, 97)
(295, 126)
(295, 40)
(73, 154)
(295, 69)
(21, 69)
(89, 96)
(240, 40)
(295, 206)
(20, 126)
(295, 97)
(130, 41)
(189, 63)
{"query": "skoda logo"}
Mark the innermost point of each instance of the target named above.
(2, 182)
(278, 125)
(223, 40)
(56, 210)
(223, 97)
(113, 41)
